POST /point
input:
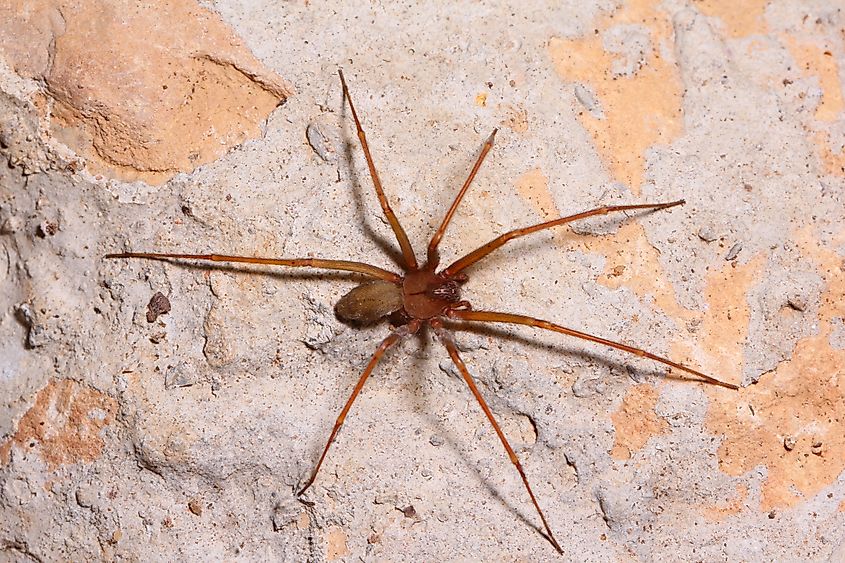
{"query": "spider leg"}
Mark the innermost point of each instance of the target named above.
(435, 240)
(483, 251)
(489, 316)
(342, 265)
(449, 343)
(405, 330)
(401, 236)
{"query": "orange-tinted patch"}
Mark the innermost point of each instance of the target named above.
(515, 118)
(833, 163)
(533, 186)
(802, 402)
(336, 544)
(717, 348)
(735, 505)
(740, 18)
(641, 109)
(725, 325)
(632, 262)
(635, 421)
(143, 90)
(64, 424)
(818, 61)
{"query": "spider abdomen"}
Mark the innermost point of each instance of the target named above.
(369, 302)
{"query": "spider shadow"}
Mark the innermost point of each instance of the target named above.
(636, 374)
(385, 245)
(260, 271)
(526, 246)
(421, 405)
(563, 350)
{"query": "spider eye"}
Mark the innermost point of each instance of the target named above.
(448, 291)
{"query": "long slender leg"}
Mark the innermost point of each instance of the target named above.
(342, 265)
(489, 316)
(385, 344)
(435, 240)
(447, 341)
(483, 251)
(404, 243)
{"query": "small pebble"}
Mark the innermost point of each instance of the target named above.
(797, 302)
(816, 448)
(320, 142)
(707, 234)
(436, 440)
(158, 336)
(409, 511)
(85, 497)
(181, 375)
(195, 506)
(589, 101)
(789, 443)
(46, 228)
(733, 252)
(158, 305)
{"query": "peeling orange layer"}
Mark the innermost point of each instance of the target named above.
(640, 109)
(741, 19)
(143, 90)
(63, 425)
(800, 405)
(636, 421)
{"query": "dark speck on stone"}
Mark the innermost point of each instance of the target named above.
(158, 305)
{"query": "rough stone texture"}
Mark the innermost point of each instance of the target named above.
(186, 438)
(142, 90)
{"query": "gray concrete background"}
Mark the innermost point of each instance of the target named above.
(186, 438)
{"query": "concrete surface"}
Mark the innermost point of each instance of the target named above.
(172, 126)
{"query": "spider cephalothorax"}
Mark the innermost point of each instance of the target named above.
(425, 296)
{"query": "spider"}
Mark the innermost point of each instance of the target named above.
(425, 295)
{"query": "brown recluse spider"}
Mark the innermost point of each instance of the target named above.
(425, 296)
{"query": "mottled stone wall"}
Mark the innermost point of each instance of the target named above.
(170, 411)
